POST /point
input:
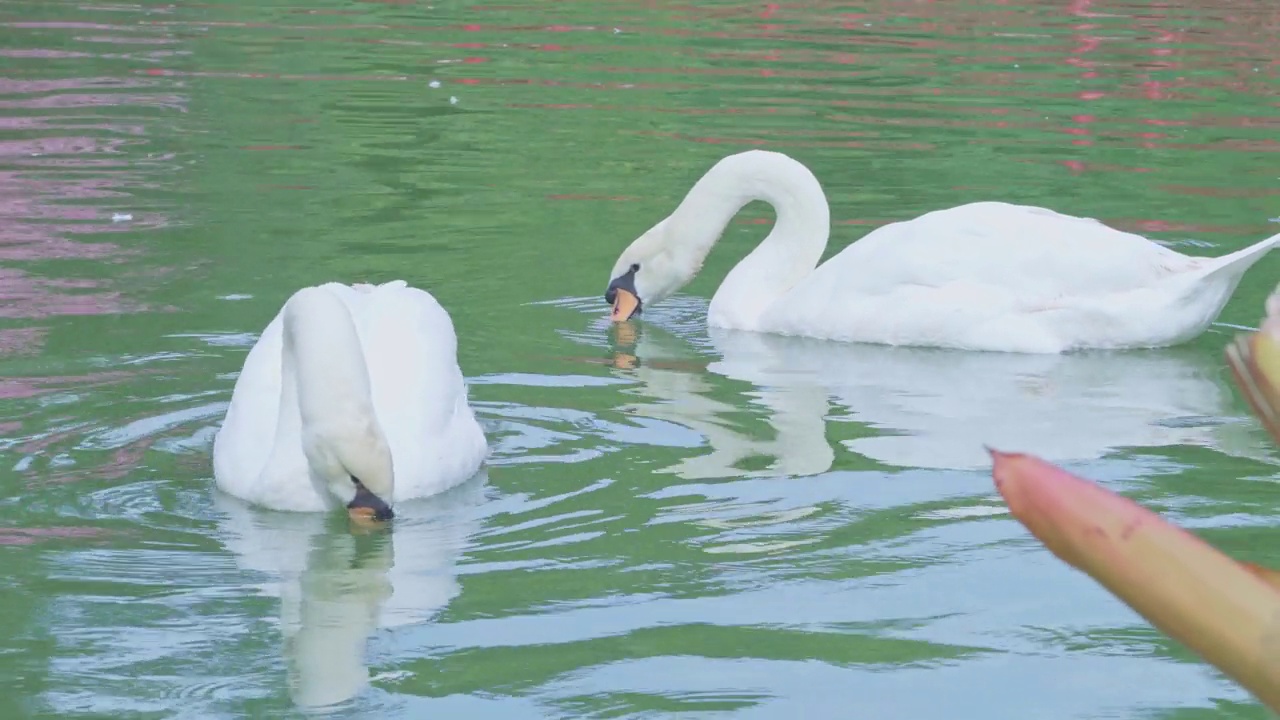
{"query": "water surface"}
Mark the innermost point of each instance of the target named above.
(674, 520)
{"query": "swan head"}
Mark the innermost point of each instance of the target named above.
(353, 464)
(648, 271)
(367, 506)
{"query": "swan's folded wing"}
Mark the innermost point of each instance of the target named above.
(419, 391)
(1027, 250)
(244, 440)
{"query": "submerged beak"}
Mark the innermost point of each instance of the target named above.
(625, 304)
(367, 507)
(622, 295)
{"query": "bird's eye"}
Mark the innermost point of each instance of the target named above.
(635, 267)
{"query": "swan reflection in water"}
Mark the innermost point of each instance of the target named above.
(674, 377)
(923, 407)
(337, 585)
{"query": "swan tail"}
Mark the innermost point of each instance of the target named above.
(1205, 291)
(1233, 265)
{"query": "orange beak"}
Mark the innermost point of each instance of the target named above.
(624, 305)
(364, 521)
(365, 517)
(368, 508)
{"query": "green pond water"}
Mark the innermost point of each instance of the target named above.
(676, 523)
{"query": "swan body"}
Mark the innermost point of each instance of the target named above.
(982, 276)
(351, 395)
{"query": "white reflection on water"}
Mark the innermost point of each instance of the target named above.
(337, 587)
(917, 407)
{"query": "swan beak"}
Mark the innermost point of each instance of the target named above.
(367, 507)
(1226, 611)
(625, 304)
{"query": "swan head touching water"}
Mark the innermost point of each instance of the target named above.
(324, 369)
(647, 272)
(667, 256)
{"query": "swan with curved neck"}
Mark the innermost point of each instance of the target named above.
(669, 255)
(982, 276)
(352, 396)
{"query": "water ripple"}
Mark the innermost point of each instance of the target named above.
(673, 519)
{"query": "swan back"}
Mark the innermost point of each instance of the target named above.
(1029, 251)
(998, 276)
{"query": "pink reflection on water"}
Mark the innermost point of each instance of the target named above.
(49, 54)
(165, 72)
(13, 86)
(59, 25)
(1124, 45)
(59, 146)
(73, 168)
(81, 100)
(27, 296)
(120, 463)
(45, 122)
(25, 387)
(36, 222)
(42, 442)
(30, 536)
(21, 341)
(128, 40)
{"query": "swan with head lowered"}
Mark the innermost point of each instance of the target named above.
(982, 276)
(352, 396)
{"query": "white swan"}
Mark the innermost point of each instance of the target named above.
(982, 276)
(351, 395)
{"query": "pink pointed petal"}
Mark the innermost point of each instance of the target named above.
(1225, 612)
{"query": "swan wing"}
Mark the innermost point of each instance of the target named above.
(244, 443)
(986, 275)
(1030, 251)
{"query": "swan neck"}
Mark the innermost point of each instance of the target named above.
(323, 356)
(289, 423)
(732, 183)
(791, 250)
